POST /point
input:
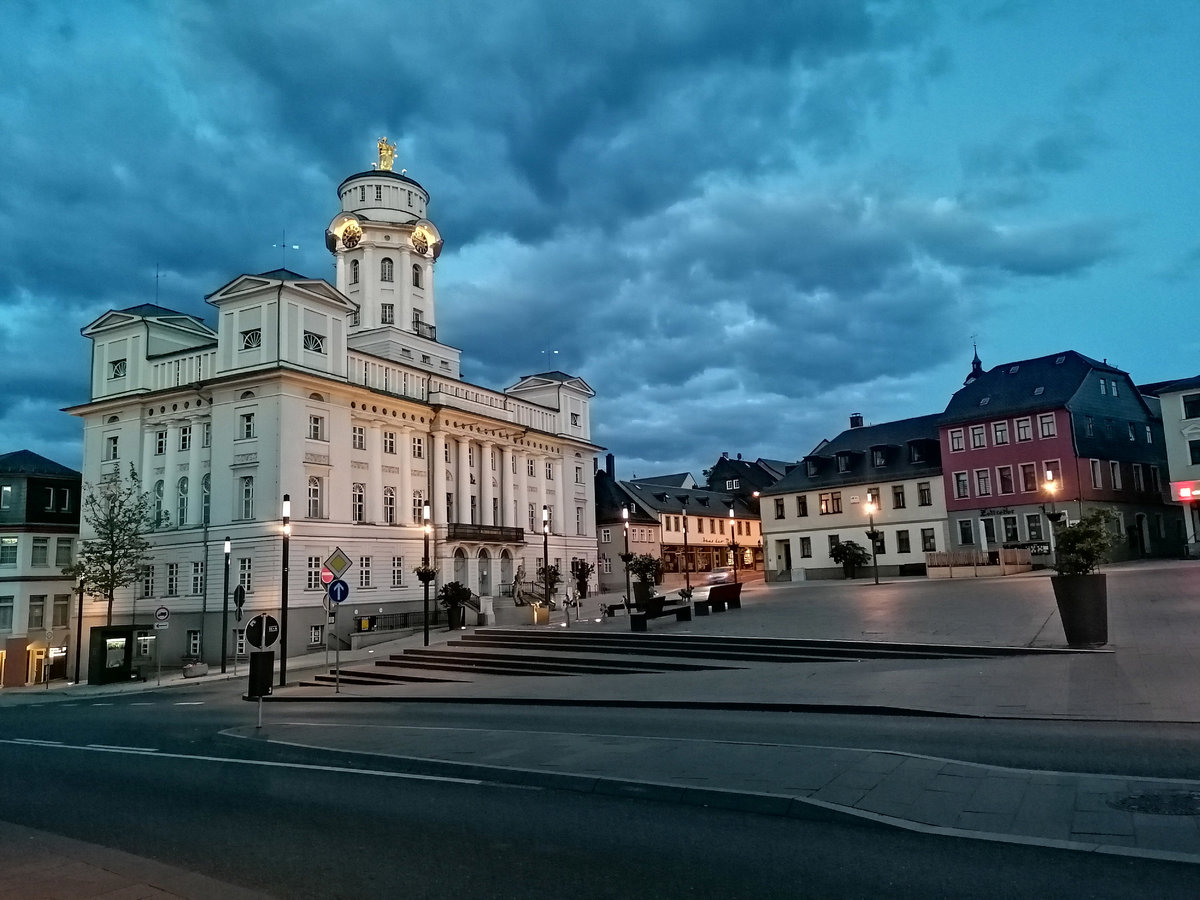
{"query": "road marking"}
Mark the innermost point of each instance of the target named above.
(142, 703)
(119, 747)
(189, 703)
(101, 704)
(36, 741)
(264, 763)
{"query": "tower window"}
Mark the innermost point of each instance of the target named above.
(385, 269)
(378, 193)
(416, 272)
(362, 194)
(387, 314)
(354, 271)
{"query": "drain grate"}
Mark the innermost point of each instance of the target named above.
(1165, 804)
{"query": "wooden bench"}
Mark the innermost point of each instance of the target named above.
(656, 608)
(720, 598)
(611, 609)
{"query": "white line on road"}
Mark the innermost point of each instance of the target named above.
(36, 741)
(189, 703)
(101, 704)
(265, 763)
(119, 747)
(142, 703)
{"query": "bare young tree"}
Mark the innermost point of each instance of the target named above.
(119, 514)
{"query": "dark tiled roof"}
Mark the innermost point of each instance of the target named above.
(284, 275)
(856, 443)
(26, 462)
(1047, 382)
(1158, 388)
(672, 481)
(697, 501)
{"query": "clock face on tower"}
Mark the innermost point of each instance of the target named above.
(351, 235)
(420, 242)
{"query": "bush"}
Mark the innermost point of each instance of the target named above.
(1080, 548)
(645, 568)
(850, 554)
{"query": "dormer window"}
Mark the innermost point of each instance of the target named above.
(252, 339)
(1060, 360)
(810, 468)
(385, 269)
(843, 462)
(117, 368)
(1038, 391)
(914, 453)
(984, 401)
(1014, 370)
(878, 457)
(314, 342)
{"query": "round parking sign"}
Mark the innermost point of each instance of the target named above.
(162, 614)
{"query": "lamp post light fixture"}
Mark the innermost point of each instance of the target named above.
(687, 569)
(283, 592)
(626, 556)
(225, 611)
(733, 544)
(546, 551)
(79, 628)
(425, 565)
(871, 506)
(1051, 487)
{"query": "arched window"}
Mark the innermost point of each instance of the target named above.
(531, 526)
(416, 276)
(358, 494)
(389, 506)
(158, 504)
(314, 497)
(183, 501)
(385, 269)
(247, 496)
(354, 271)
(205, 498)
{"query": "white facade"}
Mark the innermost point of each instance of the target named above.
(342, 398)
(1181, 426)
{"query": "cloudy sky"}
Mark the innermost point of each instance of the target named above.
(739, 222)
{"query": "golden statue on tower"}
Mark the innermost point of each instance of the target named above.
(387, 154)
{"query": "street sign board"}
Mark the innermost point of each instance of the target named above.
(262, 631)
(162, 614)
(338, 562)
(239, 596)
(162, 625)
(338, 590)
(326, 575)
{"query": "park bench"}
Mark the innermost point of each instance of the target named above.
(720, 598)
(656, 608)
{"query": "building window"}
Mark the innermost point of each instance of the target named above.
(898, 496)
(605, 535)
(1113, 386)
(6, 496)
(1024, 430)
(63, 551)
(418, 507)
(978, 437)
(1096, 477)
(156, 503)
(1191, 406)
(246, 425)
(966, 534)
(37, 612)
(956, 440)
(1029, 477)
(316, 428)
(805, 547)
(1114, 469)
(315, 635)
(531, 523)
(244, 572)
(252, 339)
(247, 496)
(313, 580)
(389, 506)
(354, 271)
(1046, 426)
(924, 494)
(1010, 529)
(160, 443)
(185, 438)
(147, 581)
(961, 486)
(40, 557)
(843, 462)
(1149, 435)
(605, 565)
(878, 458)
(111, 447)
(834, 540)
(313, 342)
(6, 613)
(358, 437)
(549, 471)
(117, 368)
(1033, 526)
(831, 503)
(1089, 426)
(579, 474)
(873, 496)
(397, 571)
(385, 269)
(416, 276)
(531, 468)
(172, 579)
(364, 571)
(579, 529)
(1139, 481)
(206, 434)
(389, 442)
(1132, 432)
(802, 505)
(418, 448)
(928, 540)
(387, 314)
(778, 507)
(197, 578)
(314, 497)
(902, 542)
(1155, 481)
(999, 433)
(358, 493)
(181, 504)
(1005, 474)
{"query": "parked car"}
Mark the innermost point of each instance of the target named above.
(720, 575)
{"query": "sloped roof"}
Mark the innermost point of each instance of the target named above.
(679, 480)
(26, 462)
(285, 275)
(660, 498)
(1026, 385)
(1158, 388)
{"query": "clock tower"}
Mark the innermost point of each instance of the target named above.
(385, 249)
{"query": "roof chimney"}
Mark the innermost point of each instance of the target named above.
(856, 420)
(725, 455)
(610, 466)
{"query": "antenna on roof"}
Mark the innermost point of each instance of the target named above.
(156, 284)
(283, 248)
(546, 354)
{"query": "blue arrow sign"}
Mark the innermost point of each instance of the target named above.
(338, 590)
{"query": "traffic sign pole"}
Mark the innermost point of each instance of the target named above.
(337, 672)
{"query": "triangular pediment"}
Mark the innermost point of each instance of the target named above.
(245, 286)
(158, 315)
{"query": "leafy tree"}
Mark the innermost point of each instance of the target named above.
(550, 577)
(453, 596)
(1080, 548)
(850, 555)
(119, 514)
(645, 568)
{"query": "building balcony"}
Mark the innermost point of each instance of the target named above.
(458, 531)
(425, 330)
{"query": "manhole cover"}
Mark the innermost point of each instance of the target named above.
(1169, 804)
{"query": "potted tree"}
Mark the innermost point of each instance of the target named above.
(1080, 590)
(646, 569)
(582, 570)
(453, 597)
(850, 555)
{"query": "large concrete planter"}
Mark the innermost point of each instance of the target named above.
(641, 593)
(1083, 608)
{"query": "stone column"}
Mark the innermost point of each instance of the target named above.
(521, 491)
(506, 488)
(404, 455)
(437, 466)
(373, 479)
(565, 526)
(462, 477)
(486, 493)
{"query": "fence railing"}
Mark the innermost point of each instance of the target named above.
(397, 621)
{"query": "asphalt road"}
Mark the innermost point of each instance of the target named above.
(165, 784)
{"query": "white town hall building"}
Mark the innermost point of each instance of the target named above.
(343, 398)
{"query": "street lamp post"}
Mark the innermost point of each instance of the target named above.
(1051, 487)
(733, 544)
(687, 569)
(546, 552)
(626, 556)
(425, 566)
(225, 611)
(871, 538)
(283, 593)
(79, 629)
